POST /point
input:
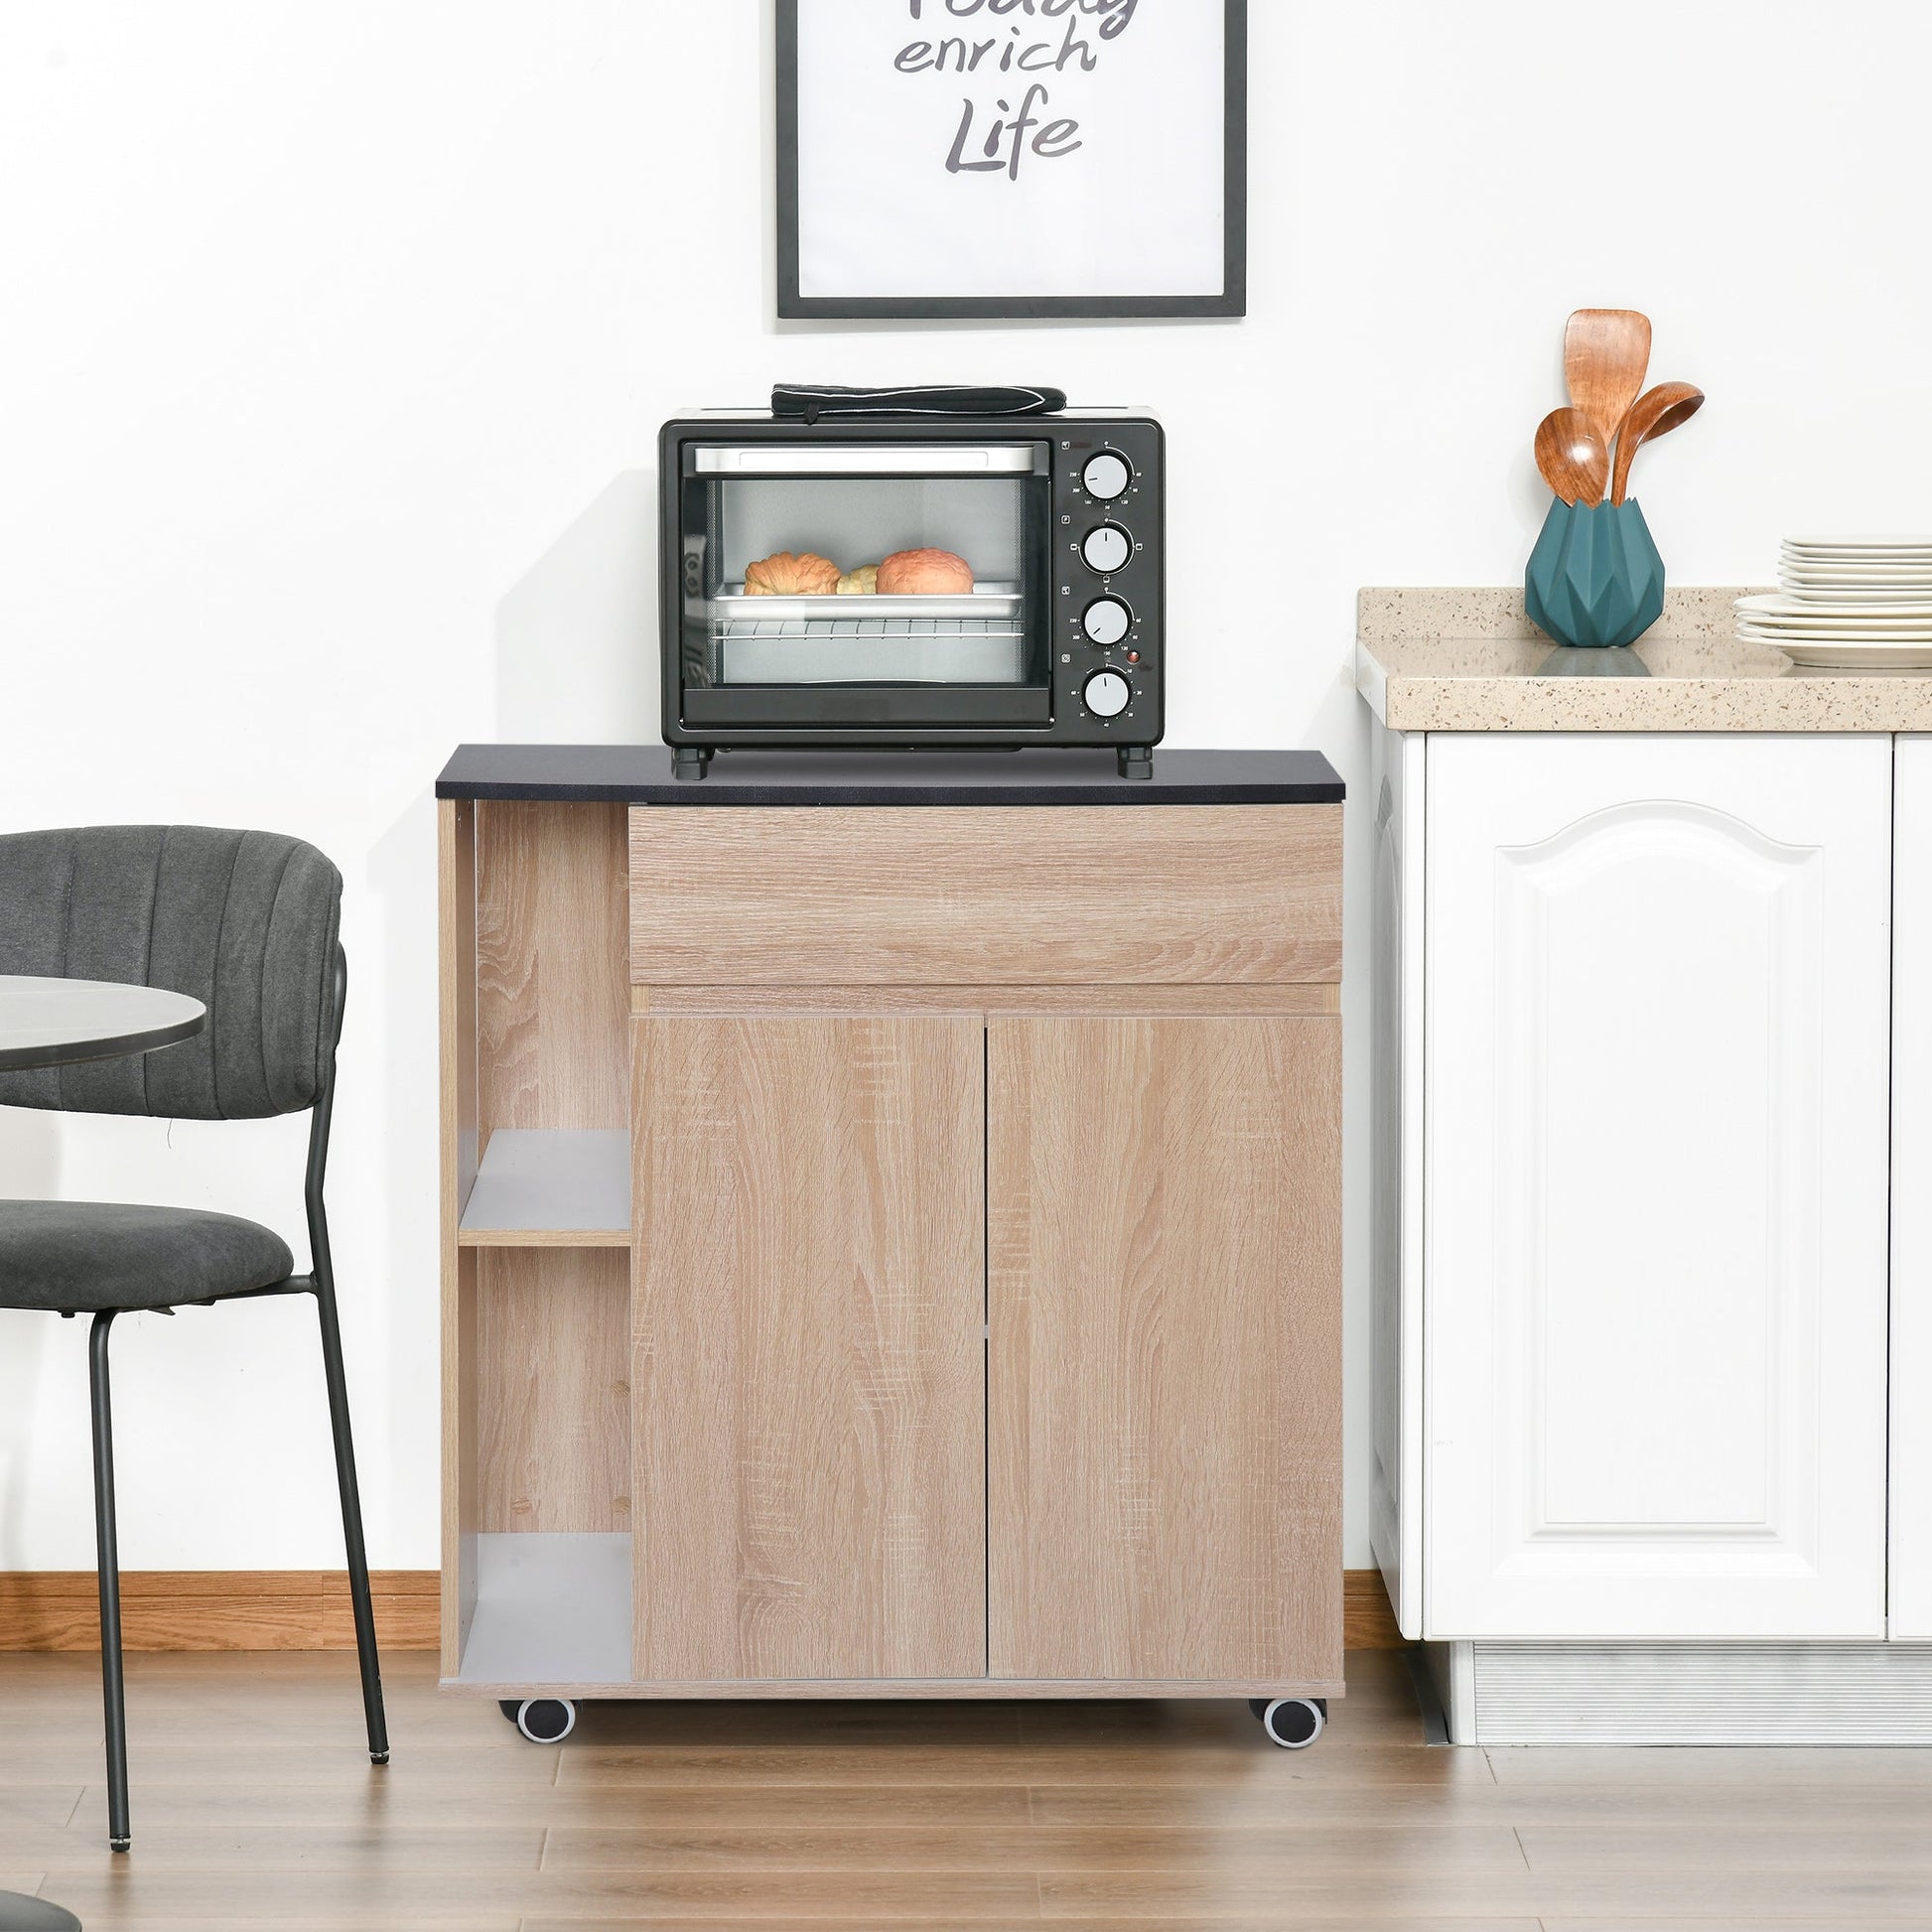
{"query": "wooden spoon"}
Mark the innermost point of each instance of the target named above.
(1606, 356)
(1655, 413)
(1574, 459)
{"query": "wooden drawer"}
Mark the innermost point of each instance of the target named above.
(988, 895)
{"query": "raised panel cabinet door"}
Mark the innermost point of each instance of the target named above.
(1911, 1197)
(1164, 1395)
(1657, 1038)
(807, 1361)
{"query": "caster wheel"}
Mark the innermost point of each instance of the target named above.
(509, 1707)
(546, 1721)
(1293, 1722)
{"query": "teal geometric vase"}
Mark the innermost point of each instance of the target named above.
(1594, 577)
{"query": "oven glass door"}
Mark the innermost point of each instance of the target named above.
(866, 586)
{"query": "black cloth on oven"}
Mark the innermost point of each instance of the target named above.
(812, 401)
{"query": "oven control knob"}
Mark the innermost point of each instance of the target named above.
(1106, 476)
(1108, 694)
(1106, 620)
(1106, 548)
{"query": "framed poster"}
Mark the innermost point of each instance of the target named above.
(1012, 158)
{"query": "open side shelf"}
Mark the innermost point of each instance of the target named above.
(553, 1609)
(550, 1187)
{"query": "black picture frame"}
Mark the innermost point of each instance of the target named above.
(1232, 301)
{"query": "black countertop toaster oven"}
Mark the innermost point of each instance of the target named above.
(993, 582)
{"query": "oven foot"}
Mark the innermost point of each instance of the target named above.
(1134, 760)
(690, 761)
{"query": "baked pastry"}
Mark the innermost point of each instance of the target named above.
(924, 573)
(863, 582)
(805, 575)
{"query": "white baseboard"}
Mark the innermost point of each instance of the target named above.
(1452, 1671)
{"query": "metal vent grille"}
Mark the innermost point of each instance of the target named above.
(1704, 1694)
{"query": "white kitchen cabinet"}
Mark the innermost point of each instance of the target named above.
(1911, 1199)
(1653, 1178)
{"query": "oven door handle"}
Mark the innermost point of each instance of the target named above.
(867, 459)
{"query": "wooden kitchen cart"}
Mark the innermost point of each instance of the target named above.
(891, 1226)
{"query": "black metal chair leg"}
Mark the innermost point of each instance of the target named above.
(358, 1562)
(113, 1686)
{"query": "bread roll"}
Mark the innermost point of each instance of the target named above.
(863, 582)
(924, 573)
(807, 575)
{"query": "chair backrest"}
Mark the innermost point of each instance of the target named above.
(245, 922)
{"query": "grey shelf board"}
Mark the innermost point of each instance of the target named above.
(551, 1608)
(537, 1180)
(641, 774)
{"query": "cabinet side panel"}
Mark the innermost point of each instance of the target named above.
(1910, 1581)
(1396, 1051)
(460, 1488)
(553, 998)
(457, 1004)
(553, 1397)
(807, 1356)
(1165, 1363)
(457, 1173)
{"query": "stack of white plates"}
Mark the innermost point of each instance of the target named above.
(1864, 601)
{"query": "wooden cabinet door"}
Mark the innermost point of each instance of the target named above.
(808, 1366)
(1911, 1196)
(1657, 1040)
(1163, 1366)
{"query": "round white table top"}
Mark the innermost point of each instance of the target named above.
(51, 1022)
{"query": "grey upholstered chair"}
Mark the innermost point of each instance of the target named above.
(247, 922)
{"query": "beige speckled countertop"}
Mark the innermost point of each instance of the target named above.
(1471, 660)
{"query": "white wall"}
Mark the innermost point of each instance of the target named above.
(333, 346)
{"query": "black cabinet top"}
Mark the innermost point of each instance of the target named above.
(641, 774)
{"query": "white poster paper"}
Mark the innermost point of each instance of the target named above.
(1011, 148)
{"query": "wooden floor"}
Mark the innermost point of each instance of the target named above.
(255, 1806)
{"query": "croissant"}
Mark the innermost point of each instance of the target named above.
(863, 582)
(924, 573)
(807, 575)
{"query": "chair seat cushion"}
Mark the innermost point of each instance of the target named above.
(81, 1256)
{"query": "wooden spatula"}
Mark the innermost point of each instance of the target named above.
(1655, 413)
(1605, 356)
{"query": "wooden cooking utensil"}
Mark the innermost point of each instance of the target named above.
(1606, 356)
(1574, 459)
(1655, 413)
